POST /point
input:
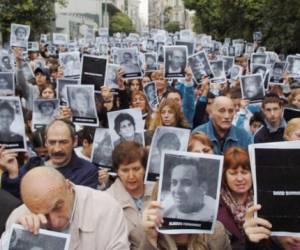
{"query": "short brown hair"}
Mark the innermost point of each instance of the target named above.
(271, 98)
(201, 137)
(128, 152)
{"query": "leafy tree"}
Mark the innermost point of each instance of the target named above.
(120, 22)
(36, 13)
(172, 26)
(279, 21)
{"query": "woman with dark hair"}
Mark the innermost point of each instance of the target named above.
(168, 114)
(47, 92)
(236, 194)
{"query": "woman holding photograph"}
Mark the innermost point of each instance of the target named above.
(47, 92)
(236, 194)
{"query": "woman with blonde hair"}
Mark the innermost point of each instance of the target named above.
(294, 99)
(292, 130)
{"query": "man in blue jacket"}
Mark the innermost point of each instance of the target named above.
(220, 130)
(60, 141)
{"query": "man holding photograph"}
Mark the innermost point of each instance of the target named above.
(92, 218)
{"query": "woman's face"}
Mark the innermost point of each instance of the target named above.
(296, 101)
(168, 116)
(295, 134)
(135, 85)
(239, 180)
(200, 147)
(48, 93)
(126, 129)
(139, 101)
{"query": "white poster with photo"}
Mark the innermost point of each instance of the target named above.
(189, 189)
(7, 83)
(6, 61)
(151, 94)
(19, 35)
(81, 100)
(111, 76)
(61, 89)
(20, 238)
(164, 138)
(252, 87)
(12, 127)
(60, 39)
(128, 59)
(70, 62)
(175, 61)
(126, 125)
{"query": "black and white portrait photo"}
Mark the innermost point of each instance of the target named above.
(81, 100)
(111, 80)
(19, 35)
(275, 171)
(278, 72)
(257, 36)
(190, 46)
(6, 61)
(151, 94)
(186, 35)
(235, 72)
(7, 83)
(189, 188)
(103, 49)
(228, 62)
(93, 69)
(12, 129)
(126, 125)
(60, 39)
(102, 148)
(258, 58)
(160, 52)
(252, 87)
(70, 61)
(259, 69)
(44, 38)
(21, 239)
(61, 89)
(175, 61)
(129, 62)
(103, 32)
(231, 51)
(217, 67)
(293, 66)
(150, 62)
(200, 65)
(150, 46)
(44, 112)
(164, 138)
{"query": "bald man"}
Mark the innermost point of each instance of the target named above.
(92, 218)
(220, 130)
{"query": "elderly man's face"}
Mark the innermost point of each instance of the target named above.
(222, 113)
(6, 119)
(185, 187)
(59, 143)
(57, 206)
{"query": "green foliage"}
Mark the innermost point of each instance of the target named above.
(172, 26)
(120, 23)
(36, 13)
(279, 21)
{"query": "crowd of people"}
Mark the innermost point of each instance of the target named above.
(56, 184)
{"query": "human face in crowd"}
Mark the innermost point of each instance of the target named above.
(135, 85)
(184, 187)
(168, 116)
(177, 59)
(126, 129)
(222, 113)
(175, 97)
(236, 104)
(59, 143)
(239, 180)
(47, 108)
(40, 78)
(48, 93)
(294, 135)
(145, 80)
(296, 101)
(3, 83)
(132, 177)
(57, 207)
(161, 84)
(6, 119)
(139, 101)
(273, 113)
(200, 147)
